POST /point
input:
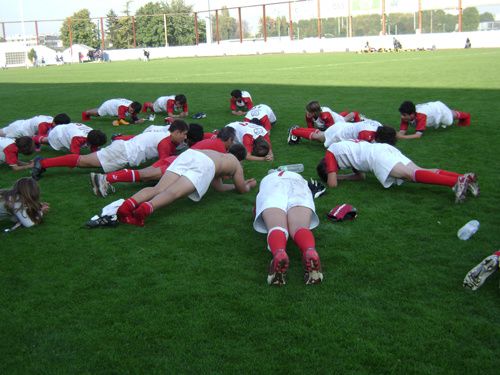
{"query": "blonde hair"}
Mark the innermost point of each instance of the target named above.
(27, 192)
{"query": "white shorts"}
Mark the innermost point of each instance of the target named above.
(197, 168)
(283, 191)
(438, 114)
(17, 129)
(385, 162)
(113, 157)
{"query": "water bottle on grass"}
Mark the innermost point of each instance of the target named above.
(298, 168)
(468, 230)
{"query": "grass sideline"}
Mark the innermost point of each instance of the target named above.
(187, 293)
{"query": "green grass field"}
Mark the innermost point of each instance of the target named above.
(187, 292)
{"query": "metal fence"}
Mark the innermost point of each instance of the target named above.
(292, 19)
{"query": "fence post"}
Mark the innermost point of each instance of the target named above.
(217, 35)
(319, 19)
(239, 21)
(290, 30)
(165, 29)
(383, 18)
(36, 31)
(460, 15)
(133, 31)
(102, 34)
(264, 22)
(71, 38)
(197, 36)
(420, 16)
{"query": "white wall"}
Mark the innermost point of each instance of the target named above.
(479, 39)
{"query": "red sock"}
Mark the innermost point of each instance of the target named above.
(126, 209)
(38, 138)
(303, 132)
(146, 106)
(428, 177)
(124, 175)
(70, 161)
(142, 212)
(448, 173)
(304, 239)
(276, 239)
(463, 118)
(497, 253)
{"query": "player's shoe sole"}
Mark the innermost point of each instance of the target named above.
(102, 221)
(478, 275)
(292, 139)
(277, 269)
(460, 189)
(37, 170)
(312, 267)
(472, 184)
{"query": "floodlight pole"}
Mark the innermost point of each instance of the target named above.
(290, 17)
(133, 31)
(240, 23)
(264, 22)
(319, 18)
(102, 34)
(197, 36)
(383, 18)
(165, 28)
(209, 25)
(420, 15)
(36, 32)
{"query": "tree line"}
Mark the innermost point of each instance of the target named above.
(149, 20)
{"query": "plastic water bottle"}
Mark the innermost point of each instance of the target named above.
(468, 230)
(298, 168)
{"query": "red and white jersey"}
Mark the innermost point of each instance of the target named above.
(260, 111)
(8, 151)
(167, 104)
(61, 136)
(112, 107)
(143, 147)
(379, 158)
(342, 131)
(326, 119)
(247, 128)
(27, 127)
(245, 98)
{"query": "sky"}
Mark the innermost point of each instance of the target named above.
(13, 10)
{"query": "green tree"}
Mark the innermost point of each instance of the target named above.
(32, 56)
(228, 26)
(470, 19)
(111, 27)
(83, 30)
(150, 31)
(180, 24)
(486, 17)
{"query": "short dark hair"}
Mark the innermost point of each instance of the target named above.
(260, 147)
(194, 134)
(385, 134)
(407, 107)
(61, 118)
(256, 121)
(179, 125)
(136, 106)
(25, 145)
(238, 150)
(181, 98)
(226, 133)
(236, 94)
(321, 170)
(313, 107)
(96, 138)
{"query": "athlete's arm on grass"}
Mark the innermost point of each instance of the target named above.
(242, 185)
(402, 135)
(354, 176)
(21, 165)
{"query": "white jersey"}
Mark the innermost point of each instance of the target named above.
(61, 135)
(379, 158)
(283, 190)
(244, 128)
(318, 123)
(157, 129)
(143, 147)
(110, 107)
(438, 114)
(261, 110)
(4, 142)
(343, 131)
(160, 104)
(27, 127)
